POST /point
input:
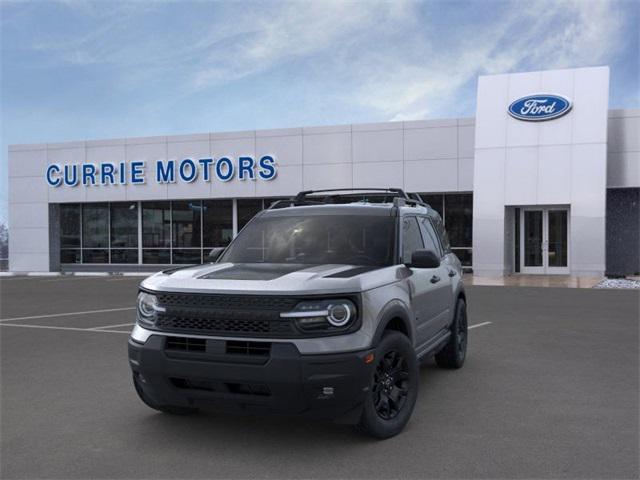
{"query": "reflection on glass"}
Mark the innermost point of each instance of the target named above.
(532, 238)
(557, 238)
(95, 226)
(69, 226)
(464, 255)
(156, 256)
(247, 209)
(70, 255)
(186, 256)
(127, 255)
(186, 224)
(95, 256)
(124, 225)
(435, 201)
(156, 225)
(217, 223)
(458, 210)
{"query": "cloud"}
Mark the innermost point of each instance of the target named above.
(525, 36)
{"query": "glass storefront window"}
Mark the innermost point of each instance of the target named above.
(91, 255)
(185, 219)
(69, 226)
(127, 255)
(70, 255)
(247, 209)
(217, 223)
(464, 255)
(435, 201)
(124, 225)
(95, 225)
(156, 225)
(458, 220)
(186, 255)
(156, 255)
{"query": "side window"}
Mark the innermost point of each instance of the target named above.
(430, 238)
(442, 233)
(411, 238)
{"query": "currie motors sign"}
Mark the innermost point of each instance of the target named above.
(540, 107)
(187, 170)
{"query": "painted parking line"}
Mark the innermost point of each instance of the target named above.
(479, 325)
(68, 314)
(73, 329)
(113, 326)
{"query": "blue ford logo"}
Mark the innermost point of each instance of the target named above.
(536, 108)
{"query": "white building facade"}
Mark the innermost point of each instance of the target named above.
(545, 179)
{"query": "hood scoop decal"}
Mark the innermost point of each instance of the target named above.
(254, 271)
(352, 272)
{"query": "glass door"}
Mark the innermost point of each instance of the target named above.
(532, 239)
(544, 244)
(557, 223)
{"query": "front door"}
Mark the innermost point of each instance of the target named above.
(544, 240)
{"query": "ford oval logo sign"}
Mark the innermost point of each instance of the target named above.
(536, 108)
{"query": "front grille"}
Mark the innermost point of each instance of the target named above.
(261, 349)
(186, 344)
(240, 315)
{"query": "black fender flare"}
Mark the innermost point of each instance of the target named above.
(394, 309)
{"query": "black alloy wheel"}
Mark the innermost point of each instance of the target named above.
(390, 385)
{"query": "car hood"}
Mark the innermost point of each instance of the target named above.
(270, 278)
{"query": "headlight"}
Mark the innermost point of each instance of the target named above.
(147, 308)
(323, 315)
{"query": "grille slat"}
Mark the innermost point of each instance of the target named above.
(241, 315)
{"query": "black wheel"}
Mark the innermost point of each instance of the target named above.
(171, 409)
(393, 388)
(455, 351)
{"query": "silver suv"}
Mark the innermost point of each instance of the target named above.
(323, 305)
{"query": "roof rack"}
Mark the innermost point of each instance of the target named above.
(400, 197)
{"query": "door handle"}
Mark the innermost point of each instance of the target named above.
(435, 279)
(452, 273)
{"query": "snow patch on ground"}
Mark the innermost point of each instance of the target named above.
(618, 283)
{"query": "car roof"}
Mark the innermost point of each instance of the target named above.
(354, 208)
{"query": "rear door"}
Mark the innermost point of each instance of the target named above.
(443, 301)
(423, 283)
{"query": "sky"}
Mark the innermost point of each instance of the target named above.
(75, 70)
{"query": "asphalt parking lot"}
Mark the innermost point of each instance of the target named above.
(550, 390)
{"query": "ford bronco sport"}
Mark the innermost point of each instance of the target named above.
(323, 305)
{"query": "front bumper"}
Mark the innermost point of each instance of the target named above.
(283, 381)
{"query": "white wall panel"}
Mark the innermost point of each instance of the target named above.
(335, 175)
(287, 149)
(623, 169)
(377, 146)
(521, 176)
(431, 175)
(554, 175)
(378, 174)
(431, 143)
(27, 163)
(327, 148)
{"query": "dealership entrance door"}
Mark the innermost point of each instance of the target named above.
(543, 240)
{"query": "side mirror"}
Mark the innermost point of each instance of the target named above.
(424, 259)
(215, 253)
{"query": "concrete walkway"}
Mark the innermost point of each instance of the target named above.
(522, 280)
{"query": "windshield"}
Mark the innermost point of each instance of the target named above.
(318, 239)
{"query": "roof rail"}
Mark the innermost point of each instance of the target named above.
(400, 197)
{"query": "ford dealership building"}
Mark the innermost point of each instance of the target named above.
(545, 179)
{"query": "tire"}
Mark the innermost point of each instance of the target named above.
(170, 409)
(393, 388)
(455, 351)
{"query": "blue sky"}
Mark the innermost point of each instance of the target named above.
(75, 70)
